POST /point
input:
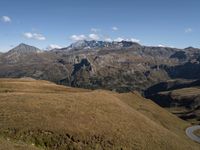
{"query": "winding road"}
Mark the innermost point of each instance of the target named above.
(190, 133)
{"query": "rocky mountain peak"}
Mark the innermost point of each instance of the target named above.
(188, 48)
(24, 48)
(84, 44)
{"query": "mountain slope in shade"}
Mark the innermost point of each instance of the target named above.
(181, 97)
(58, 117)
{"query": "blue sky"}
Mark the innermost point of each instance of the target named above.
(44, 23)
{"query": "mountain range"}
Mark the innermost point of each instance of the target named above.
(118, 66)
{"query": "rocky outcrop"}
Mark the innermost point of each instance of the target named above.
(181, 55)
(81, 73)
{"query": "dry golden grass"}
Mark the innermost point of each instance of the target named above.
(58, 117)
(9, 145)
(185, 92)
(197, 132)
(187, 102)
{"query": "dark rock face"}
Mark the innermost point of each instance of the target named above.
(181, 55)
(198, 59)
(77, 67)
(81, 73)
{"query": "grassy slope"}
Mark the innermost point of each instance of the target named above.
(183, 95)
(10, 145)
(57, 117)
(197, 132)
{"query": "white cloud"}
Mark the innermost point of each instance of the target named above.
(6, 19)
(35, 36)
(53, 46)
(134, 40)
(107, 39)
(95, 30)
(188, 30)
(115, 28)
(28, 35)
(97, 37)
(78, 37)
(81, 37)
(94, 36)
(119, 39)
(161, 45)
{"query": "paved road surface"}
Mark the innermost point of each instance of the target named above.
(190, 133)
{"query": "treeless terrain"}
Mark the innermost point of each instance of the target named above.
(184, 102)
(197, 132)
(8, 145)
(50, 116)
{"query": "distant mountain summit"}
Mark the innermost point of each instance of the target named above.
(23, 48)
(22, 53)
(84, 44)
